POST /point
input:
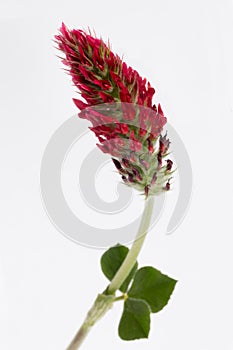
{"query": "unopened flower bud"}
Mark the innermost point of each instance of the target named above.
(130, 177)
(117, 163)
(125, 162)
(137, 174)
(154, 178)
(163, 144)
(169, 164)
(147, 188)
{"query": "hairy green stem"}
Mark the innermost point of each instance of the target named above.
(132, 255)
(105, 301)
(79, 338)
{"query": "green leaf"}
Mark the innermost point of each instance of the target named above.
(111, 261)
(152, 286)
(135, 320)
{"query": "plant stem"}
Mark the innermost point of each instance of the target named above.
(105, 301)
(101, 305)
(79, 338)
(132, 255)
(121, 297)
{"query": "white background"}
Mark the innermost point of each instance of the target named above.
(47, 282)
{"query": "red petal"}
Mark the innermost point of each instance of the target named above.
(80, 104)
(160, 111)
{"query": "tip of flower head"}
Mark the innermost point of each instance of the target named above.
(64, 32)
(63, 28)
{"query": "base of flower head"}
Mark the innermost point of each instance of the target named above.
(149, 173)
(131, 134)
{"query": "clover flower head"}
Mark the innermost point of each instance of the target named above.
(118, 103)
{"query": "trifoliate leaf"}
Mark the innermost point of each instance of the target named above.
(135, 320)
(152, 286)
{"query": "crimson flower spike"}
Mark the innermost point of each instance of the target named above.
(118, 103)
